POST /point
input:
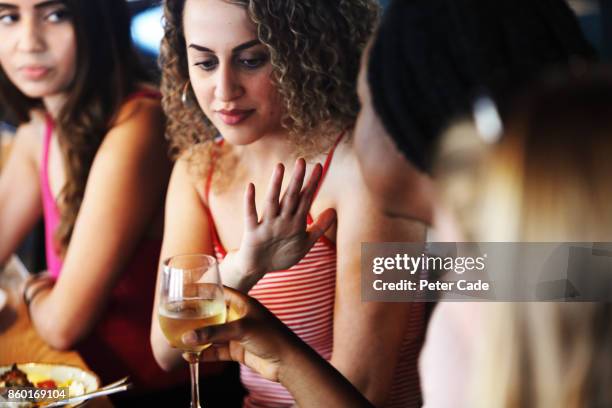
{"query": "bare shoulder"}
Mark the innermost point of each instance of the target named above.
(136, 108)
(138, 127)
(344, 181)
(353, 200)
(29, 136)
(186, 176)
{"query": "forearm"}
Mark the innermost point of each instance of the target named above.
(314, 382)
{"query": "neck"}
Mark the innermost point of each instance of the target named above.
(263, 154)
(54, 104)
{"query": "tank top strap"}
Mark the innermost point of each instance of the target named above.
(328, 160)
(211, 222)
(49, 125)
(326, 165)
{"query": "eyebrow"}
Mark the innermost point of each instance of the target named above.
(239, 48)
(41, 5)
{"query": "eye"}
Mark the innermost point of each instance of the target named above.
(207, 65)
(8, 19)
(58, 16)
(252, 63)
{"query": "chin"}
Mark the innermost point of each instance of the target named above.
(36, 91)
(239, 137)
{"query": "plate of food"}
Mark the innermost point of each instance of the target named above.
(48, 376)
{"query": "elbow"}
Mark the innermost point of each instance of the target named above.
(163, 355)
(371, 386)
(164, 363)
(59, 338)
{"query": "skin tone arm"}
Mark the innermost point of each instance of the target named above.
(124, 191)
(20, 197)
(255, 337)
(275, 241)
(375, 328)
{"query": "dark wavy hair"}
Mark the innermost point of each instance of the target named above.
(107, 71)
(430, 59)
(315, 48)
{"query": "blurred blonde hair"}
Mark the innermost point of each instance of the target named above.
(547, 179)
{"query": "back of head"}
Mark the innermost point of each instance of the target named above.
(549, 173)
(431, 57)
(547, 179)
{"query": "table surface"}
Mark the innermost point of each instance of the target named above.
(19, 342)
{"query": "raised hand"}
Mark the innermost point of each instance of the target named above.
(281, 237)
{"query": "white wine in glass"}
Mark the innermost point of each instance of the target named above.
(179, 317)
(191, 297)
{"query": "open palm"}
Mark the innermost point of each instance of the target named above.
(281, 237)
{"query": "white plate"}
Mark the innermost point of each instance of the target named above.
(61, 374)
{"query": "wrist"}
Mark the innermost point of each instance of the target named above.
(293, 355)
(246, 268)
(34, 289)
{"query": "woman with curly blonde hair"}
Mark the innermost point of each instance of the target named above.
(247, 85)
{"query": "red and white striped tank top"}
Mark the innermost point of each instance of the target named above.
(302, 297)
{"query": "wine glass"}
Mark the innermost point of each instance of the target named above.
(191, 297)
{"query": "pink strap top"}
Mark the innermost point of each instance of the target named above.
(51, 212)
(119, 343)
(50, 209)
(303, 298)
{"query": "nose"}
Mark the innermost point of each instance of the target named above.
(227, 84)
(31, 37)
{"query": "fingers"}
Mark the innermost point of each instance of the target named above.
(237, 302)
(231, 351)
(295, 200)
(291, 197)
(309, 191)
(250, 208)
(221, 333)
(274, 189)
(323, 222)
(216, 353)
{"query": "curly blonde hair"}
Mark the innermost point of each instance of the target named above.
(315, 48)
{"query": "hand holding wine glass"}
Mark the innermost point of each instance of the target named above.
(191, 297)
(255, 337)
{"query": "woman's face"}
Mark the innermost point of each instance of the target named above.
(37, 46)
(230, 71)
(399, 188)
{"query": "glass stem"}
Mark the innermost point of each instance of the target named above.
(194, 359)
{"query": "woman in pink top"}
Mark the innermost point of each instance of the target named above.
(90, 157)
(277, 81)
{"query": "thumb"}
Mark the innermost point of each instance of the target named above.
(323, 222)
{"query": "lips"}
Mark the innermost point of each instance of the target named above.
(235, 116)
(34, 72)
